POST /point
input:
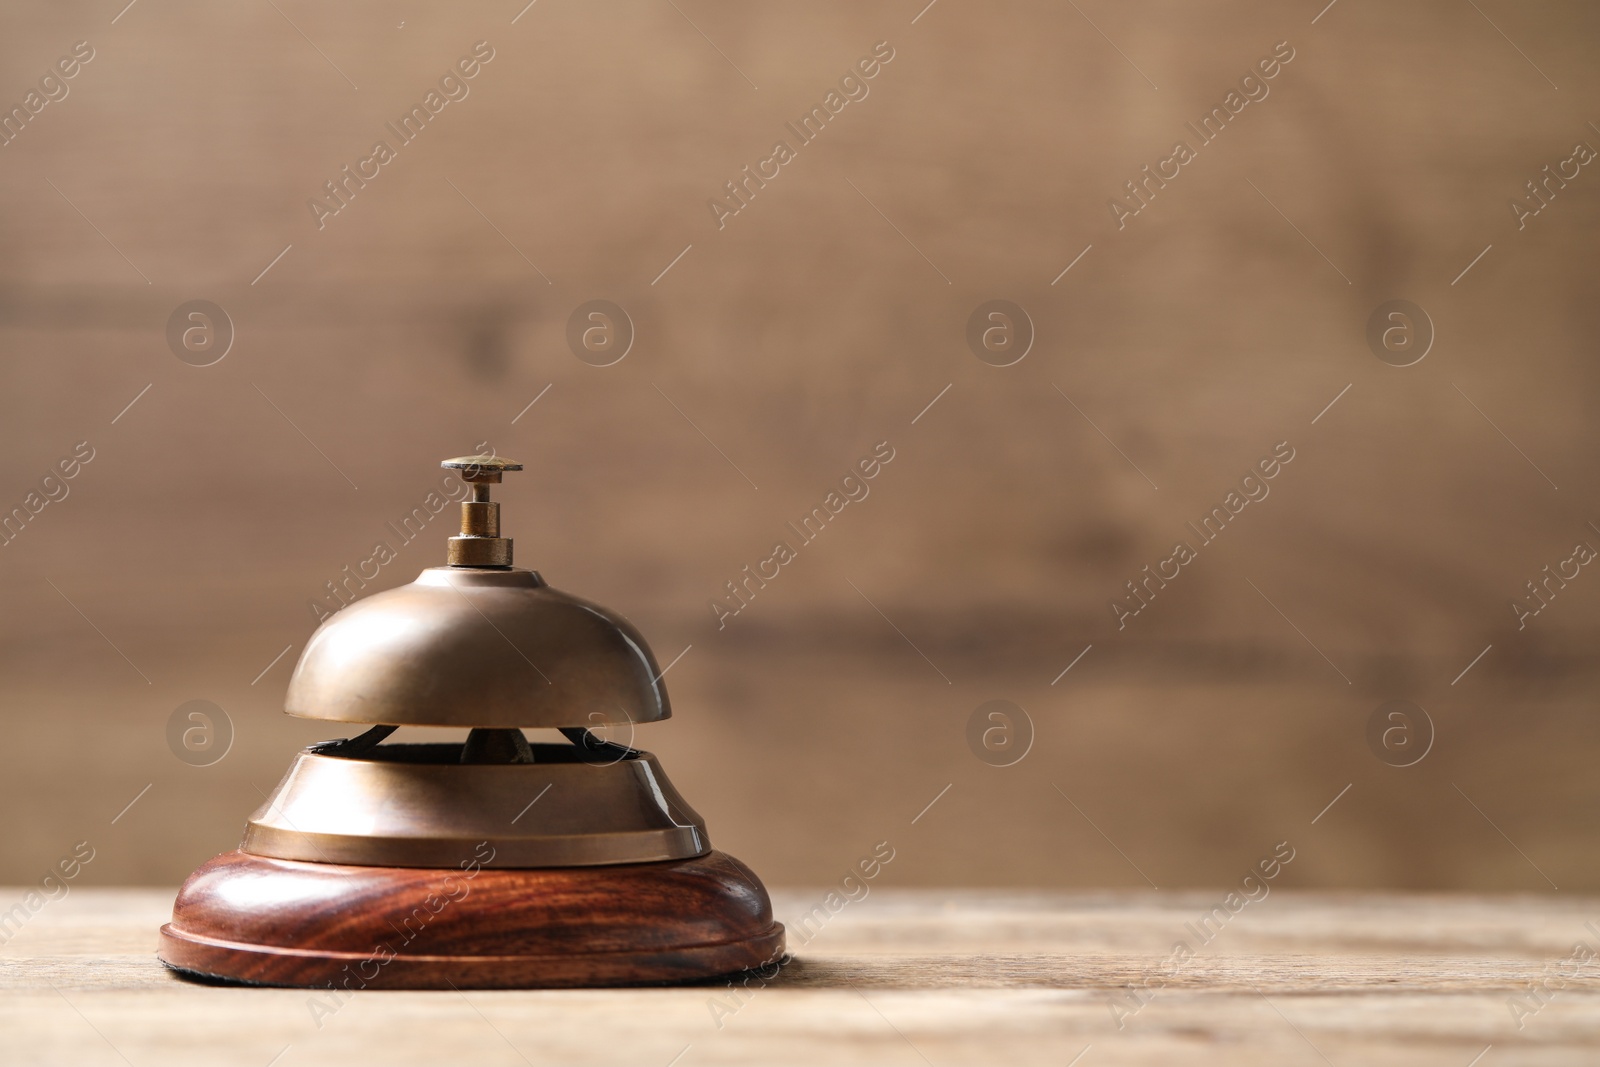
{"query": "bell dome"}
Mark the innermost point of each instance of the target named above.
(478, 643)
(478, 647)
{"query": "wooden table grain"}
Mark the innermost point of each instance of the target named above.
(898, 977)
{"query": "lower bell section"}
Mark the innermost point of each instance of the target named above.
(404, 868)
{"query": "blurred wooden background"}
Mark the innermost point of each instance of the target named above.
(824, 318)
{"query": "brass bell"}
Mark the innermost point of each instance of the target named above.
(492, 862)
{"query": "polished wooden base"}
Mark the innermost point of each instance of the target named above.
(245, 918)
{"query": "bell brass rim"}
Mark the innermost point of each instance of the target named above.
(416, 805)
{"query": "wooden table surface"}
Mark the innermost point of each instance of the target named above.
(899, 977)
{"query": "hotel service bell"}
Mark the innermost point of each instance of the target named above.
(493, 862)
